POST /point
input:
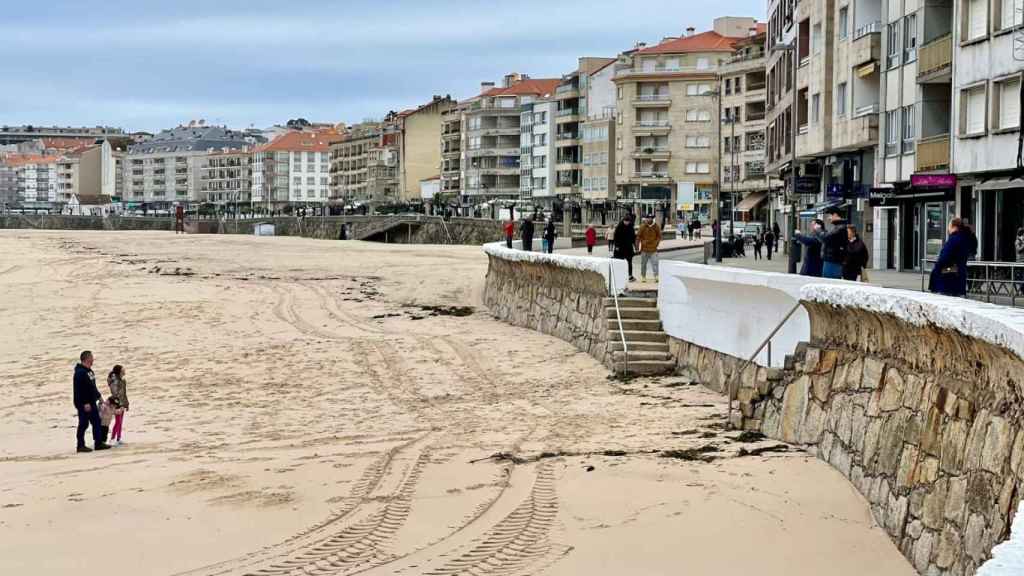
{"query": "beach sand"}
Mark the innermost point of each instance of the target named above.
(317, 407)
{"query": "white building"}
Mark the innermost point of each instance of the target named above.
(537, 162)
(294, 168)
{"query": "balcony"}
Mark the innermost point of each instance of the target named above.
(651, 127)
(933, 153)
(567, 140)
(565, 166)
(651, 176)
(866, 47)
(496, 131)
(567, 92)
(652, 153)
(869, 28)
(861, 130)
(934, 60)
(652, 101)
(662, 69)
(478, 152)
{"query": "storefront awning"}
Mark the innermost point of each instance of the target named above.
(753, 200)
(1000, 184)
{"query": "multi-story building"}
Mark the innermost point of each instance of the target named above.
(294, 168)
(167, 169)
(418, 154)
(227, 177)
(537, 159)
(666, 135)
(597, 149)
(745, 187)
(365, 164)
(29, 180)
(490, 144)
(451, 155)
(89, 170)
(16, 134)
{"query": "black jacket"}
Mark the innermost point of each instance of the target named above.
(85, 387)
(625, 240)
(856, 259)
(526, 229)
(834, 243)
(549, 232)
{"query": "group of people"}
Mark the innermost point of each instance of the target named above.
(96, 411)
(837, 253)
(526, 231)
(625, 240)
(769, 240)
(689, 229)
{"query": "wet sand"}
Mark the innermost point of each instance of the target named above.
(314, 407)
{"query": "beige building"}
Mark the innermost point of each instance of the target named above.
(451, 155)
(667, 135)
(418, 153)
(365, 165)
(745, 191)
(89, 170)
(227, 178)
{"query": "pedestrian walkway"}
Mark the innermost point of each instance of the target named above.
(601, 250)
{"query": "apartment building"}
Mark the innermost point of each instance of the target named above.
(418, 154)
(490, 152)
(294, 168)
(167, 169)
(988, 60)
(914, 196)
(30, 180)
(451, 155)
(89, 170)
(227, 177)
(16, 134)
(745, 187)
(365, 164)
(667, 106)
(597, 143)
(537, 160)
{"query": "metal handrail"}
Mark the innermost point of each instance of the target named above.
(733, 390)
(618, 316)
(989, 279)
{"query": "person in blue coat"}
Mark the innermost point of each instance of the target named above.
(949, 276)
(812, 263)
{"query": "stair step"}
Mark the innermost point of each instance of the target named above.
(632, 302)
(637, 325)
(616, 346)
(633, 313)
(638, 336)
(646, 367)
(642, 356)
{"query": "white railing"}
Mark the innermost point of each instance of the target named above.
(869, 28)
(618, 315)
(865, 110)
(653, 124)
(653, 98)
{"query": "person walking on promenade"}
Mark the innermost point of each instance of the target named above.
(776, 234)
(549, 236)
(834, 243)
(949, 276)
(526, 233)
(510, 231)
(758, 242)
(119, 393)
(591, 235)
(856, 256)
(85, 397)
(769, 242)
(648, 239)
(812, 264)
(609, 235)
(625, 242)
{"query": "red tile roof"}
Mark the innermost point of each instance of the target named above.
(297, 141)
(709, 41)
(23, 159)
(66, 143)
(530, 86)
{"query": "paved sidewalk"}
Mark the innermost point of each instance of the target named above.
(601, 250)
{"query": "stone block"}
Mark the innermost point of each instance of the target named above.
(948, 551)
(927, 470)
(976, 440)
(890, 443)
(794, 408)
(997, 446)
(981, 494)
(956, 499)
(913, 390)
(854, 374)
(811, 359)
(858, 428)
(752, 424)
(934, 508)
(1017, 455)
(874, 371)
(827, 362)
(915, 529)
(822, 386)
(814, 424)
(906, 474)
(871, 443)
(964, 410)
(839, 377)
(974, 537)
(922, 553)
(951, 403)
(891, 394)
(896, 516)
(932, 435)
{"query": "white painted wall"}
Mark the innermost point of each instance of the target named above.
(601, 92)
(607, 267)
(732, 310)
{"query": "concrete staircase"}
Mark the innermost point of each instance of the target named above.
(645, 340)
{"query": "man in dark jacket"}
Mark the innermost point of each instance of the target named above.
(834, 243)
(549, 235)
(526, 233)
(85, 396)
(625, 243)
(949, 276)
(812, 264)
(776, 233)
(856, 255)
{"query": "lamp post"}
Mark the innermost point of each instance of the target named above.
(717, 216)
(791, 48)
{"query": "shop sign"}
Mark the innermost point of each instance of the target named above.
(808, 184)
(933, 180)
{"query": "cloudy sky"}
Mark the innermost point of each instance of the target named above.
(149, 64)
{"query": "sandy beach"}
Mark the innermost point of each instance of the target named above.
(315, 407)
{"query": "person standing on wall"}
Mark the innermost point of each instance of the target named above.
(949, 276)
(834, 246)
(526, 233)
(625, 242)
(510, 230)
(856, 256)
(591, 235)
(777, 232)
(812, 264)
(549, 236)
(648, 239)
(770, 242)
(85, 397)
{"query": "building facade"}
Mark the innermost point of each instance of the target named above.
(294, 168)
(365, 165)
(418, 153)
(537, 160)
(227, 178)
(597, 138)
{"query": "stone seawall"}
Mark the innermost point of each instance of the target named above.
(927, 422)
(563, 296)
(430, 231)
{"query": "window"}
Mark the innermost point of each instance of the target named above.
(698, 168)
(815, 108)
(703, 64)
(618, 92)
(297, 181)
(728, 86)
(311, 181)
(694, 115)
(910, 38)
(816, 40)
(804, 41)
(975, 22)
(1007, 16)
(841, 99)
(698, 142)
(908, 129)
(648, 64)
(892, 132)
(618, 168)
(844, 22)
(1006, 104)
(697, 89)
(738, 84)
(893, 54)
(972, 111)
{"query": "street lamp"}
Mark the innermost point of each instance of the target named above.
(717, 216)
(791, 47)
